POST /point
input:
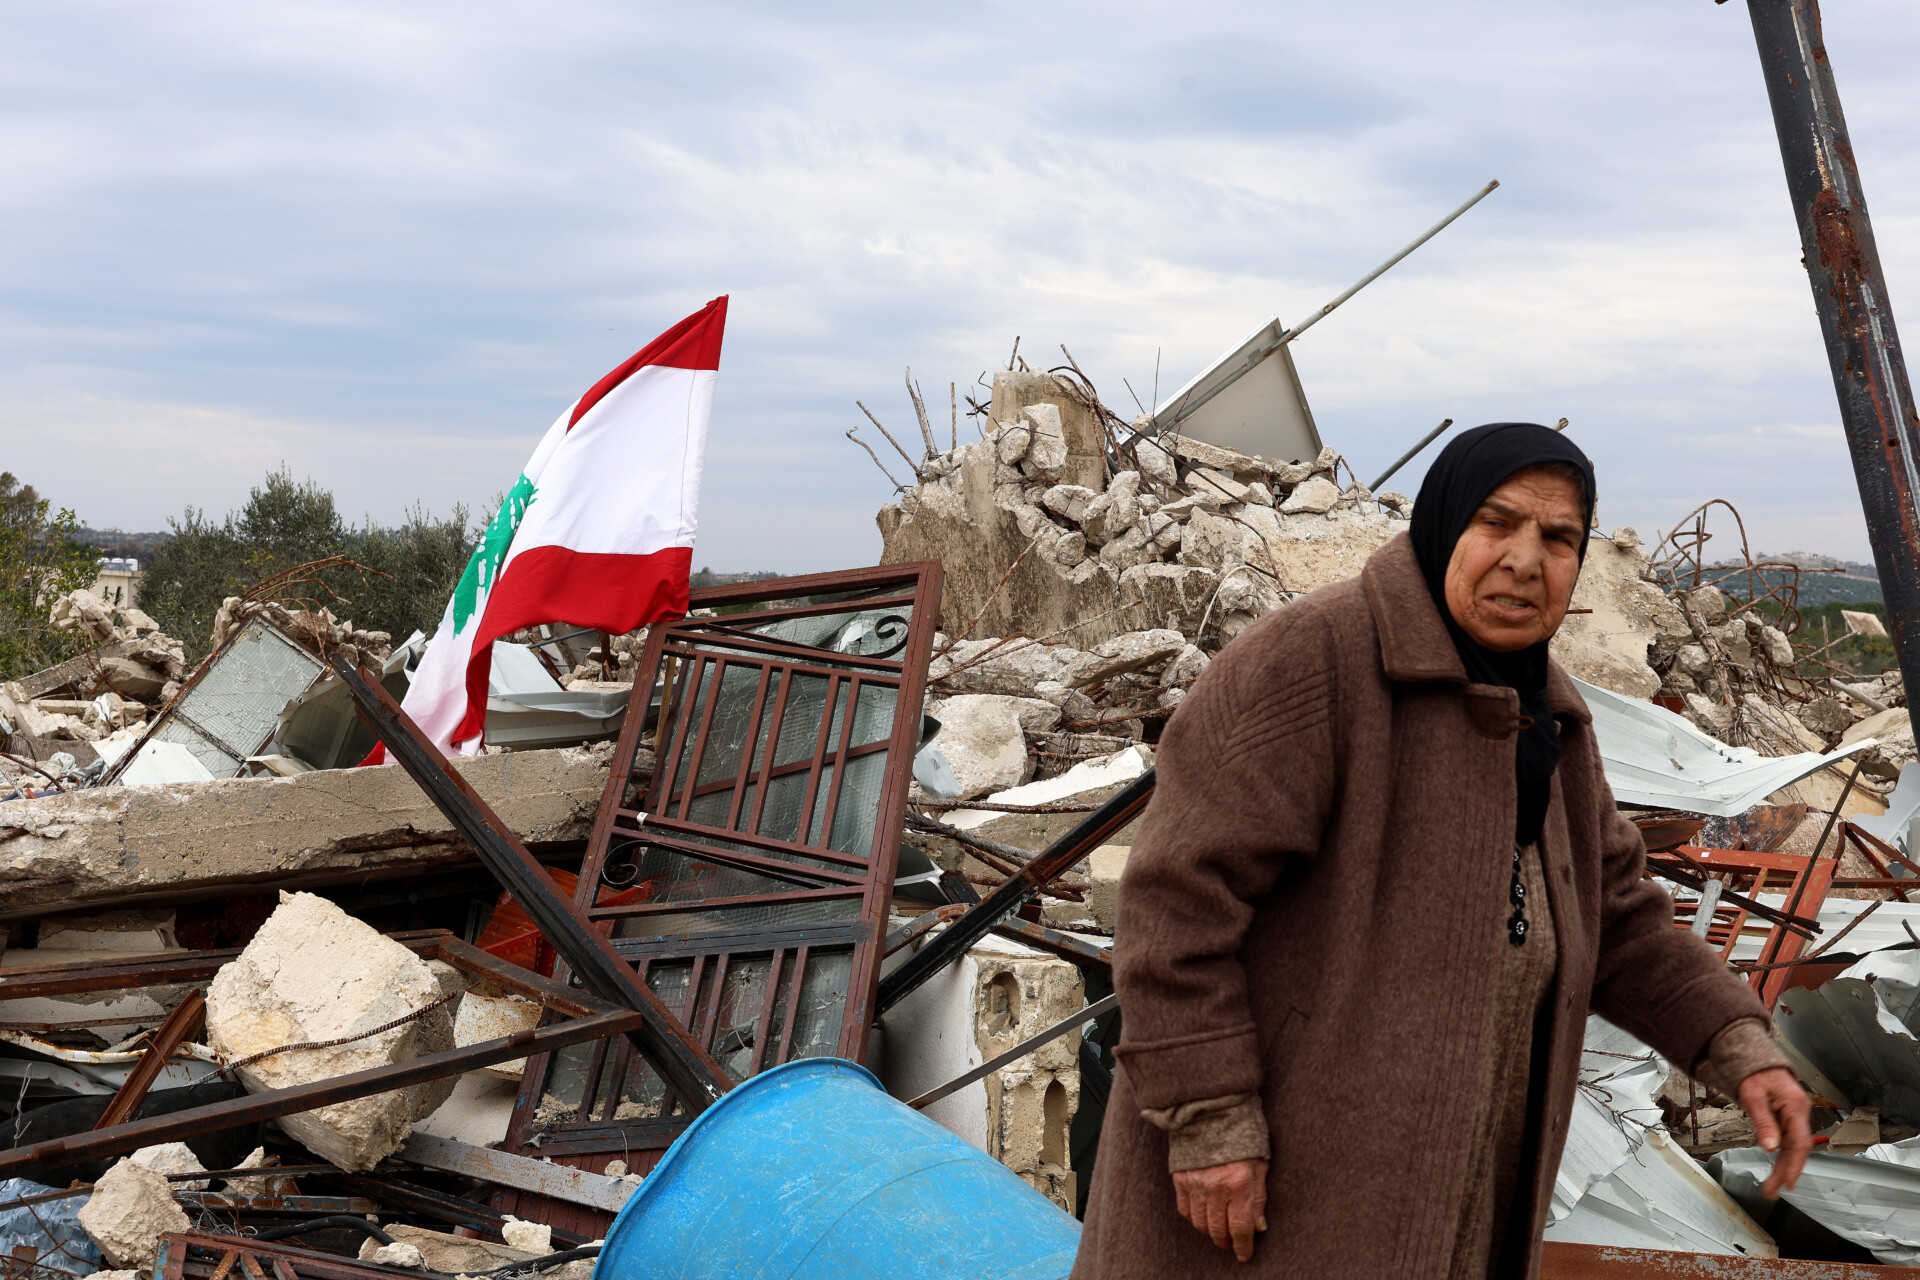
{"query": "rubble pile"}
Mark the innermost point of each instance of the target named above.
(353, 953)
(59, 719)
(1044, 532)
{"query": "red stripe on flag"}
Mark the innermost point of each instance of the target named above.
(614, 593)
(694, 343)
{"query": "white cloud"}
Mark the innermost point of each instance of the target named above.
(386, 245)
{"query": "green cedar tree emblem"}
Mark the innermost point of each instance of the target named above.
(484, 567)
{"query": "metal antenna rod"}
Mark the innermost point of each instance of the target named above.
(1383, 268)
(1409, 455)
(1188, 408)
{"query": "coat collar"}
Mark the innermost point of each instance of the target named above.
(1414, 644)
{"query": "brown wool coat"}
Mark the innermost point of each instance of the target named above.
(1314, 912)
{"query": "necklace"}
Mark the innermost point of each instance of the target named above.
(1517, 894)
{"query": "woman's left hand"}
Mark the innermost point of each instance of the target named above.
(1779, 1109)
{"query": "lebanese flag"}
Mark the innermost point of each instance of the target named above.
(597, 532)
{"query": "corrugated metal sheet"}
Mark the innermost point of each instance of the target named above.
(1656, 758)
(1872, 1199)
(1623, 1182)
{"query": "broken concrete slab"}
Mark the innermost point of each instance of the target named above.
(454, 1255)
(534, 1237)
(130, 1209)
(125, 846)
(1134, 651)
(135, 931)
(313, 973)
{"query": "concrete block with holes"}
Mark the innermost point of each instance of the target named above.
(999, 994)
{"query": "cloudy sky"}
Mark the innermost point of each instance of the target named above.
(385, 245)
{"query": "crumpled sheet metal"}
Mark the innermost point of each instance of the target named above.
(1656, 758)
(1626, 1185)
(1896, 825)
(1872, 1199)
(59, 1069)
(1857, 1031)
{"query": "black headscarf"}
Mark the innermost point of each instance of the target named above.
(1472, 466)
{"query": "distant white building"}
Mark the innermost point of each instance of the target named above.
(118, 581)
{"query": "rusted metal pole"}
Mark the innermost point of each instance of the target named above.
(661, 1038)
(180, 1024)
(1850, 294)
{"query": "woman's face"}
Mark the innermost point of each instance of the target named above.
(1512, 573)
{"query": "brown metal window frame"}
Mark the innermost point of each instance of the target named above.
(702, 650)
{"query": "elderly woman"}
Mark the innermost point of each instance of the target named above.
(1381, 885)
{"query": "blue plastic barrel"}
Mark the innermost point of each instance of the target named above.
(811, 1172)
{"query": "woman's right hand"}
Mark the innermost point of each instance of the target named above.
(1227, 1202)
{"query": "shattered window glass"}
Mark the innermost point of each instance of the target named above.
(236, 705)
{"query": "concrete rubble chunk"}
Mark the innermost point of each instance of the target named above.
(1186, 665)
(85, 612)
(983, 736)
(1107, 864)
(454, 1255)
(1218, 458)
(535, 1237)
(314, 973)
(1709, 715)
(1615, 643)
(1135, 651)
(1182, 509)
(1774, 643)
(1862, 623)
(1206, 540)
(130, 1209)
(1073, 704)
(114, 846)
(1010, 442)
(132, 679)
(173, 1157)
(1172, 596)
(1711, 603)
(1395, 502)
(1112, 513)
(1068, 501)
(1316, 495)
(1826, 716)
(400, 1253)
(1156, 462)
(1047, 453)
(271, 1184)
(1209, 480)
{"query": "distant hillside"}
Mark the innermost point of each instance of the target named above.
(116, 542)
(708, 578)
(1823, 579)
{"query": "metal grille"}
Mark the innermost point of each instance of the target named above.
(754, 865)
